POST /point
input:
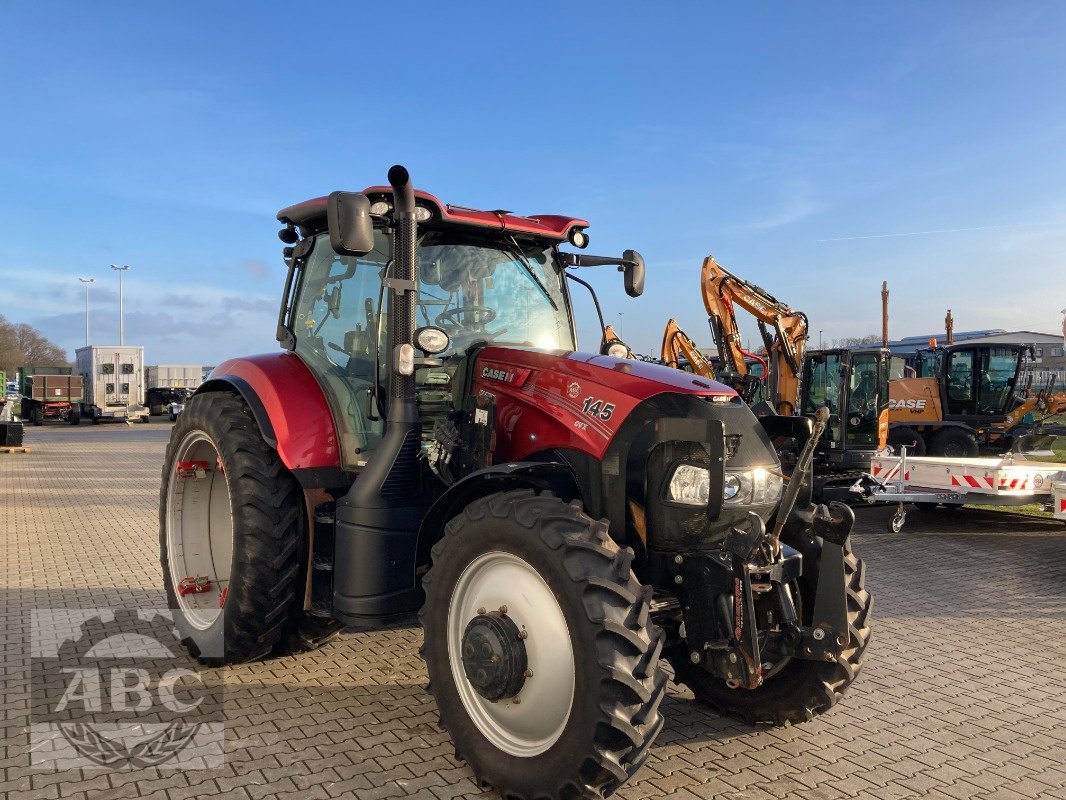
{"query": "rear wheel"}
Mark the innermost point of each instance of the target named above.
(954, 443)
(232, 526)
(156, 409)
(74, 417)
(908, 437)
(541, 655)
(36, 415)
(799, 690)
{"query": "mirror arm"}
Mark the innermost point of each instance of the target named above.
(577, 260)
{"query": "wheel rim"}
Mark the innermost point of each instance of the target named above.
(199, 530)
(529, 724)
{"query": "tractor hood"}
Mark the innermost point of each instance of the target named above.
(637, 379)
(562, 399)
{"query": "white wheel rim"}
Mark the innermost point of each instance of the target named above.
(531, 726)
(199, 531)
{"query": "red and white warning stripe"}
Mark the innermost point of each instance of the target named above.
(889, 474)
(972, 482)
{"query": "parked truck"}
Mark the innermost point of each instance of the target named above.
(114, 381)
(51, 392)
(170, 383)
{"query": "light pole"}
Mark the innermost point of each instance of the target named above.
(121, 323)
(619, 324)
(819, 340)
(88, 282)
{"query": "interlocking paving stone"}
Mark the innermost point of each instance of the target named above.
(963, 694)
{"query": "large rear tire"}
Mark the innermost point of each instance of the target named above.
(582, 684)
(241, 524)
(801, 690)
(954, 443)
(907, 436)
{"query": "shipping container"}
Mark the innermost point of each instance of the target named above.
(114, 381)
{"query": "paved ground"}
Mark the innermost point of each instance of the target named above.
(963, 694)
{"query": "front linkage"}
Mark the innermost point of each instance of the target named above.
(738, 602)
(718, 592)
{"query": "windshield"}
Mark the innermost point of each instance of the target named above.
(486, 290)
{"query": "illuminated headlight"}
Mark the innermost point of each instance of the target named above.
(618, 350)
(578, 238)
(423, 214)
(690, 485)
(380, 208)
(755, 487)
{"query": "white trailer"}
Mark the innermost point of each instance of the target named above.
(169, 384)
(114, 381)
(175, 376)
(1011, 480)
(1058, 499)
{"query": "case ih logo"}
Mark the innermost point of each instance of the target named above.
(574, 389)
(504, 375)
(912, 404)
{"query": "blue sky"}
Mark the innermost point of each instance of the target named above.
(816, 149)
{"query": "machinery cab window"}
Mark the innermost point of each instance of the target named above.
(980, 381)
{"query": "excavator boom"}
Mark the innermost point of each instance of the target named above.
(783, 329)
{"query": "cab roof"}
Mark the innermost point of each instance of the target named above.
(310, 215)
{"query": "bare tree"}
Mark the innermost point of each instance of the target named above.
(857, 341)
(22, 344)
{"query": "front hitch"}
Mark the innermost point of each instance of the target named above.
(718, 592)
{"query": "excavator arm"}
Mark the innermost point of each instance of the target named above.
(677, 345)
(783, 329)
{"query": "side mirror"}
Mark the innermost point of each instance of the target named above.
(351, 230)
(633, 270)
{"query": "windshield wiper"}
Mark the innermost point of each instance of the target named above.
(529, 269)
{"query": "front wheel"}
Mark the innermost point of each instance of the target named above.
(799, 690)
(541, 655)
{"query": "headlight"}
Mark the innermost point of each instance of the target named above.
(617, 350)
(756, 487)
(690, 485)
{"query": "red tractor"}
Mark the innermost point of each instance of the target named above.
(430, 439)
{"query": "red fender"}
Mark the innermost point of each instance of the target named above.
(289, 406)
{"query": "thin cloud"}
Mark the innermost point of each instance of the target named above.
(932, 232)
(256, 266)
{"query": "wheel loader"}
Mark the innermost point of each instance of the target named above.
(429, 439)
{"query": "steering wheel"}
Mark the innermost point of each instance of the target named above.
(481, 316)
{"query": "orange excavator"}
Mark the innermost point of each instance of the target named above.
(783, 330)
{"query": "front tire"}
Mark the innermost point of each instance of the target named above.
(801, 690)
(579, 707)
(241, 523)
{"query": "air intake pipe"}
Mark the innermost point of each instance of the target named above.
(402, 284)
(377, 521)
